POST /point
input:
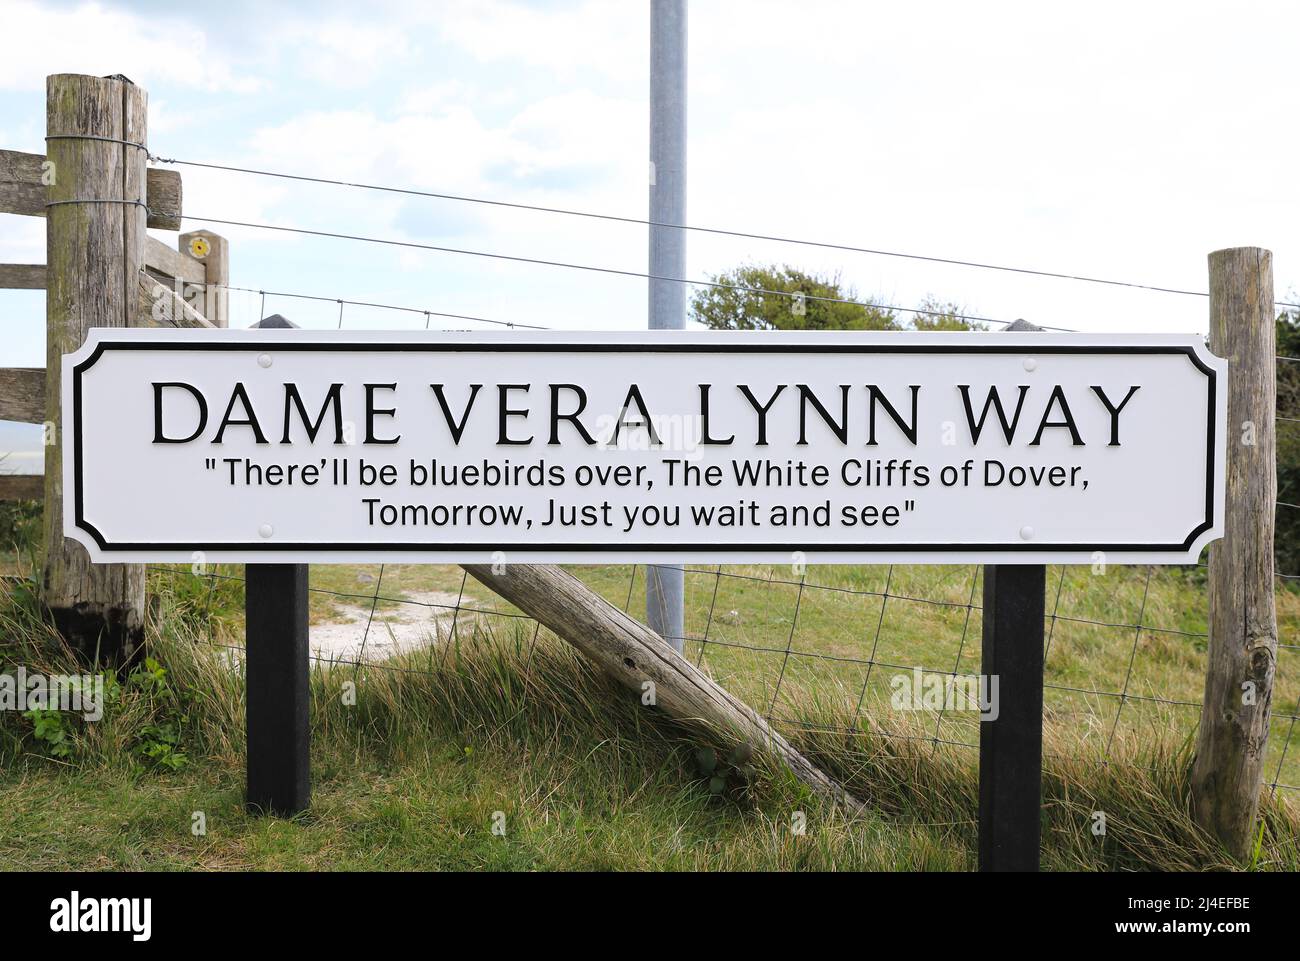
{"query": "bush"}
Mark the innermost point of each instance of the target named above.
(1286, 542)
(20, 526)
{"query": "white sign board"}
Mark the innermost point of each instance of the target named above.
(577, 447)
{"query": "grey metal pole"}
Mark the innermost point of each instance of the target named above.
(664, 583)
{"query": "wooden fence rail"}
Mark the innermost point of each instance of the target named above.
(22, 276)
(22, 394)
(23, 186)
(176, 264)
(21, 487)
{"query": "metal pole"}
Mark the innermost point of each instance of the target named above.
(664, 583)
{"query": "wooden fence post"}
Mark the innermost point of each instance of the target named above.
(95, 243)
(214, 251)
(1229, 766)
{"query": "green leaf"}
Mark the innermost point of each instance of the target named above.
(706, 759)
(740, 754)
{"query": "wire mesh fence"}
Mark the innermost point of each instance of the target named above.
(876, 651)
(854, 651)
(880, 651)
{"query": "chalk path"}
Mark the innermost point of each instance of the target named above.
(394, 629)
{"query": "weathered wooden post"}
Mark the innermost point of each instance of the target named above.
(634, 655)
(1229, 766)
(277, 679)
(95, 243)
(214, 251)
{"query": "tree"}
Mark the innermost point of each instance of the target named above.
(936, 314)
(787, 298)
(767, 298)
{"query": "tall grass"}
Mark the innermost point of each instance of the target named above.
(573, 747)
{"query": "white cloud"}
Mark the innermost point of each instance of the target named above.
(596, 34)
(435, 96)
(22, 240)
(344, 53)
(1113, 141)
(573, 142)
(95, 39)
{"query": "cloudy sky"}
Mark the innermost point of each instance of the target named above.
(1119, 140)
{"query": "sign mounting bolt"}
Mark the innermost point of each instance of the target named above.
(1030, 363)
(264, 360)
(1026, 533)
(266, 530)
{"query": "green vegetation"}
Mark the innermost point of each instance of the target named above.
(1286, 536)
(414, 757)
(787, 298)
(20, 531)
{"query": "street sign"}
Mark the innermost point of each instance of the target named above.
(577, 447)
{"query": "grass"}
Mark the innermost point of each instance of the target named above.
(753, 628)
(497, 718)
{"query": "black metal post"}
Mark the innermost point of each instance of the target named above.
(278, 697)
(1011, 745)
(277, 671)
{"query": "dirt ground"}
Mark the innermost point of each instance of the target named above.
(427, 619)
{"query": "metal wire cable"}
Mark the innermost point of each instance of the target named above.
(695, 228)
(717, 633)
(613, 271)
(363, 303)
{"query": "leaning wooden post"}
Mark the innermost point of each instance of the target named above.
(95, 247)
(1229, 766)
(635, 656)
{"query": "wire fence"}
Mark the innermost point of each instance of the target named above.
(834, 648)
(641, 221)
(853, 651)
(857, 651)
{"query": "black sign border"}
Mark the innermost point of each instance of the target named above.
(646, 347)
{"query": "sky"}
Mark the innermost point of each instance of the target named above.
(1117, 140)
